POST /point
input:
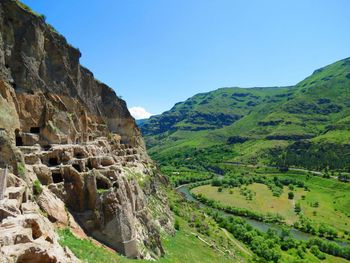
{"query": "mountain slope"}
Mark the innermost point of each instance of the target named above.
(260, 125)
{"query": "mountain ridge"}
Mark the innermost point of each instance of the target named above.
(287, 115)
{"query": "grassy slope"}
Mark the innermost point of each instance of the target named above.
(316, 108)
(228, 101)
(184, 246)
(178, 249)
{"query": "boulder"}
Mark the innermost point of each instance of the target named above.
(43, 173)
(53, 206)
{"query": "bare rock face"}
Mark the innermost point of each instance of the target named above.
(61, 127)
(55, 95)
(26, 235)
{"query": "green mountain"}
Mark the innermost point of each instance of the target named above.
(304, 125)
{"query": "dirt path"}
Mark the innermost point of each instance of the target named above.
(236, 243)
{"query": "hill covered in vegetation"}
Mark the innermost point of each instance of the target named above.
(306, 125)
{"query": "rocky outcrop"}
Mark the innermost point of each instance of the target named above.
(52, 88)
(25, 235)
(76, 147)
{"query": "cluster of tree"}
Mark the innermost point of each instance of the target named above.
(344, 178)
(178, 180)
(330, 248)
(308, 226)
(265, 246)
(269, 246)
(313, 156)
(247, 193)
(268, 217)
(184, 175)
(202, 158)
(275, 185)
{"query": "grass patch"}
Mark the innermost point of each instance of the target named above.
(85, 250)
(183, 247)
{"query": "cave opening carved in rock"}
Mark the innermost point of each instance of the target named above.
(77, 167)
(53, 161)
(57, 177)
(79, 155)
(19, 140)
(35, 130)
(101, 184)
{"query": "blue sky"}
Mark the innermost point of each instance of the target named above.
(155, 53)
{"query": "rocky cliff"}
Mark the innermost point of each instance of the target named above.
(71, 136)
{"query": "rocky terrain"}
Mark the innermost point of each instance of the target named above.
(75, 155)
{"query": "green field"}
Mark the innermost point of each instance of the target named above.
(262, 200)
(333, 199)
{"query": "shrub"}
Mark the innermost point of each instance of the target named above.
(21, 169)
(37, 188)
(177, 224)
(317, 253)
(290, 195)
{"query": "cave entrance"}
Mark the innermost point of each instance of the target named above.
(101, 184)
(89, 165)
(77, 167)
(57, 177)
(116, 185)
(35, 130)
(53, 161)
(79, 155)
(19, 140)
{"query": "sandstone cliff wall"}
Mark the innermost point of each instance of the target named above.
(73, 135)
(51, 85)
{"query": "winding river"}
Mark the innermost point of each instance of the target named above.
(262, 226)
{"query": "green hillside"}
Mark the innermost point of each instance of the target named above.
(306, 125)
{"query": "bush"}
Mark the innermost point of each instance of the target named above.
(317, 253)
(21, 169)
(37, 188)
(177, 224)
(297, 208)
(290, 195)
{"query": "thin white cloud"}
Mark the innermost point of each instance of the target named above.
(139, 113)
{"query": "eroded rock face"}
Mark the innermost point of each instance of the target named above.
(55, 95)
(100, 186)
(25, 234)
(60, 126)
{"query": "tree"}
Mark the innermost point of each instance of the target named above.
(177, 224)
(290, 195)
(285, 232)
(315, 250)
